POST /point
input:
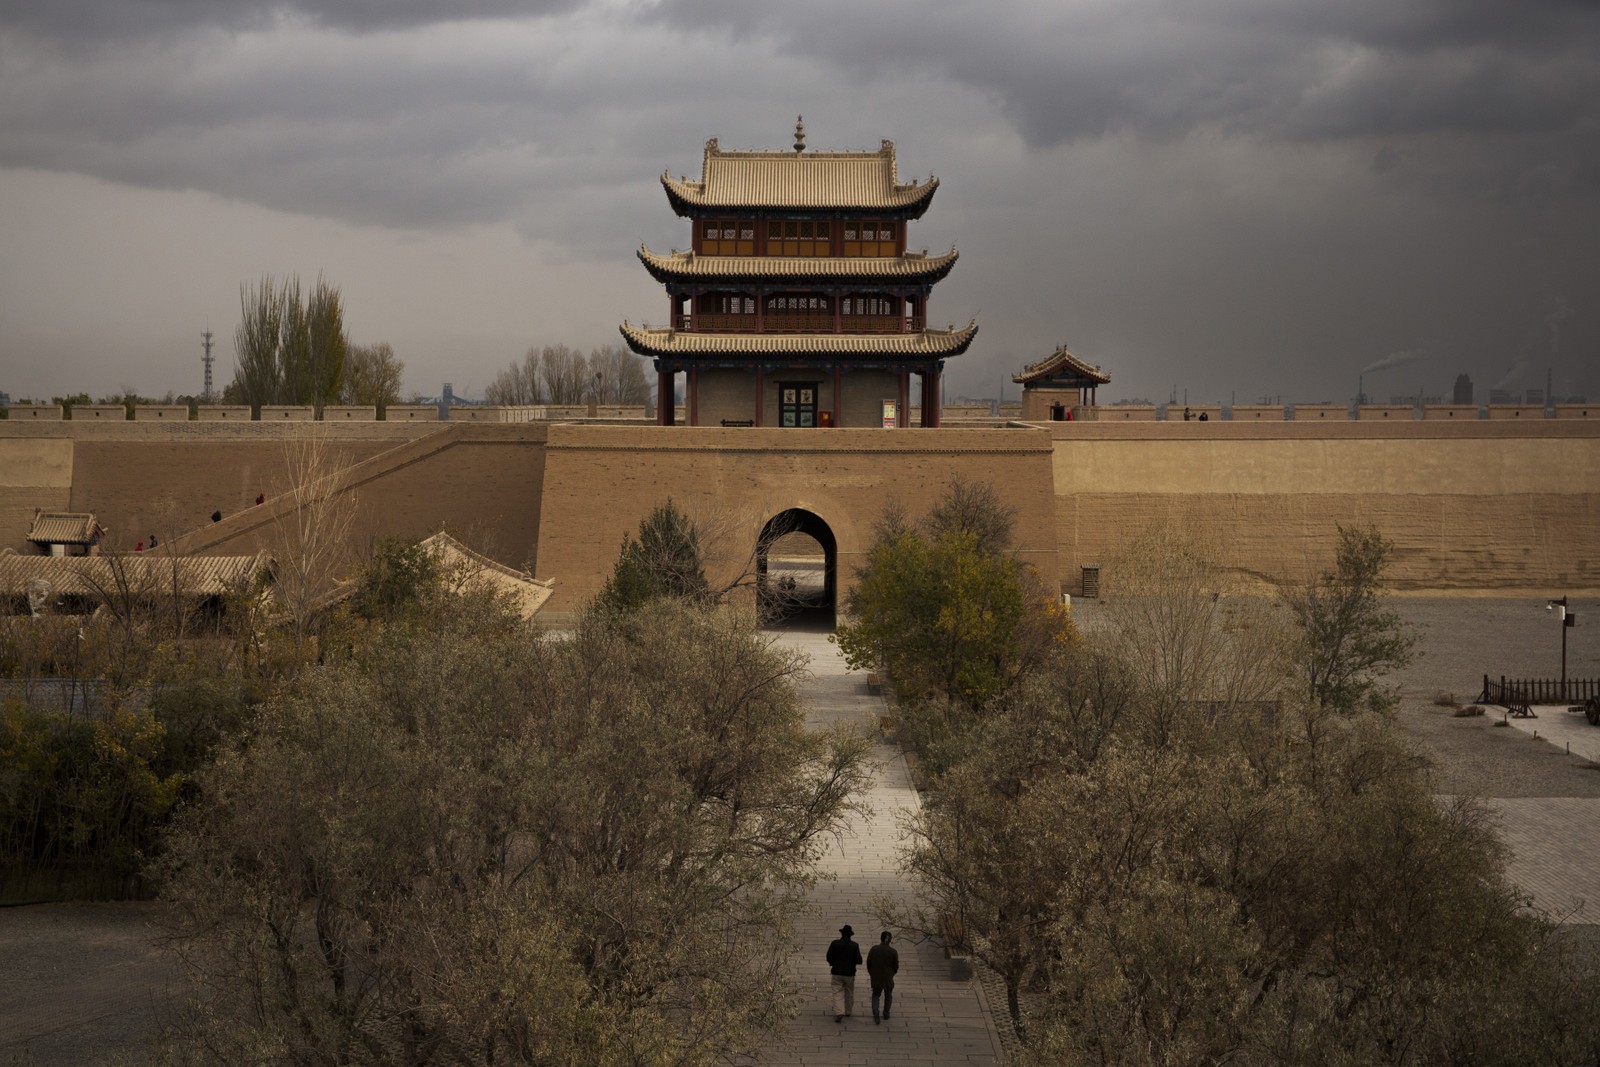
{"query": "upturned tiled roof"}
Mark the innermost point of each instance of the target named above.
(909, 267)
(468, 570)
(927, 344)
(526, 592)
(868, 181)
(138, 574)
(1061, 364)
(65, 528)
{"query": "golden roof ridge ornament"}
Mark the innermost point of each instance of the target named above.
(799, 134)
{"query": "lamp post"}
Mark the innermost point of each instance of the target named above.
(1567, 619)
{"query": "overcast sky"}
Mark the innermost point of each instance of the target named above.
(1222, 198)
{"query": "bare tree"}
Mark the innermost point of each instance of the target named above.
(519, 384)
(291, 349)
(312, 549)
(565, 374)
(372, 375)
(617, 376)
(258, 377)
(1189, 628)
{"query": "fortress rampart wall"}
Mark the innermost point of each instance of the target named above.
(1503, 507)
(1500, 507)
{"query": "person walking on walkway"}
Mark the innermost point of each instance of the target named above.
(883, 963)
(844, 956)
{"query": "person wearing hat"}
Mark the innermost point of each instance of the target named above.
(844, 956)
(883, 963)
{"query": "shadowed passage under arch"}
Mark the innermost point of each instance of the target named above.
(797, 568)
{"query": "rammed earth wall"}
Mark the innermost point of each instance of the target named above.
(1478, 507)
(1507, 507)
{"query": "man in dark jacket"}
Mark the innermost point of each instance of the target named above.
(844, 956)
(883, 963)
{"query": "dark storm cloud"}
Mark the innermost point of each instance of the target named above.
(79, 22)
(1259, 68)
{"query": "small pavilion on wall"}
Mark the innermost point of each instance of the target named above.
(1059, 387)
(797, 303)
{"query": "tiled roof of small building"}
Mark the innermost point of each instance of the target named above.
(136, 573)
(469, 570)
(65, 528)
(1058, 364)
(867, 181)
(925, 344)
(909, 267)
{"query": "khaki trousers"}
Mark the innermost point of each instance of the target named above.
(844, 993)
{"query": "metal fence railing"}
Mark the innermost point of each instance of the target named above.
(1509, 691)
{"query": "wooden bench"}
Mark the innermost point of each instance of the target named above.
(955, 946)
(738, 422)
(955, 936)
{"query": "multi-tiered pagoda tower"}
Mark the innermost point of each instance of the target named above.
(798, 304)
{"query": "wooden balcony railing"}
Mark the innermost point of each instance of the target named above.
(789, 322)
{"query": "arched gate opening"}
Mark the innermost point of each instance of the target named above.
(797, 564)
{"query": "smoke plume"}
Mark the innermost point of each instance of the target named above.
(1393, 359)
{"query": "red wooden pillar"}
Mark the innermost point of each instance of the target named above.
(903, 405)
(665, 401)
(761, 388)
(838, 325)
(694, 396)
(930, 397)
(838, 393)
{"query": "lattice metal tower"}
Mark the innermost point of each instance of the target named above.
(206, 359)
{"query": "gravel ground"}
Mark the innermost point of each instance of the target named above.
(81, 983)
(1460, 642)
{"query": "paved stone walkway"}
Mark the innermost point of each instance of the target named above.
(1552, 839)
(937, 1022)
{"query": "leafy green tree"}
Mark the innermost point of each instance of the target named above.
(953, 620)
(468, 846)
(665, 561)
(400, 577)
(1347, 638)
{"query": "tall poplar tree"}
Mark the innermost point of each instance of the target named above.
(290, 346)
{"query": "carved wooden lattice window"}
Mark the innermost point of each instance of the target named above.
(799, 237)
(727, 237)
(868, 305)
(871, 237)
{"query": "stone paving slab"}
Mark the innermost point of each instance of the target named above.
(1569, 731)
(937, 1022)
(1554, 853)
